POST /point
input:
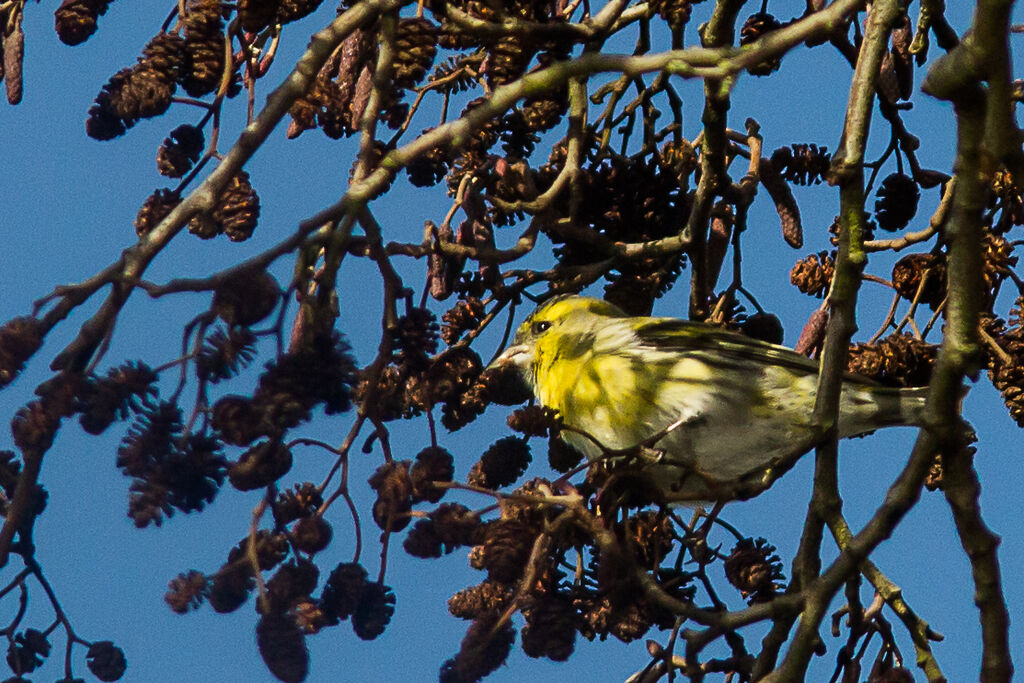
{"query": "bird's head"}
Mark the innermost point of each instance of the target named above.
(555, 328)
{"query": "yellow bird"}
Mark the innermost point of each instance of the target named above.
(730, 408)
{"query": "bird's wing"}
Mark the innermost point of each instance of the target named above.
(698, 339)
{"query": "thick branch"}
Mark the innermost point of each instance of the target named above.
(848, 174)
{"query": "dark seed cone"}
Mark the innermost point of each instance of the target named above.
(414, 339)
(453, 72)
(754, 569)
(246, 298)
(34, 426)
(179, 151)
(336, 117)
(237, 420)
(465, 315)
(627, 623)
(764, 326)
(205, 226)
(542, 113)
(1009, 380)
(476, 557)
(679, 156)
(456, 525)
(393, 111)
(374, 156)
(453, 381)
(896, 202)
(676, 13)
(501, 464)
(315, 371)
(451, 37)
(229, 590)
(303, 112)
(134, 93)
(75, 20)
(103, 400)
(485, 647)
(204, 47)
(561, 456)
(141, 91)
(489, 597)
(271, 549)
(187, 591)
(866, 360)
(650, 537)
(507, 546)
(343, 589)
(390, 390)
(897, 360)
(283, 647)
(909, 271)
(507, 60)
(813, 274)
(504, 386)
(394, 488)
(518, 142)
(802, 164)
(998, 260)
(303, 500)
(20, 338)
(630, 200)
(261, 465)
(753, 28)
(106, 661)
(238, 208)
(147, 93)
(27, 651)
(470, 162)
(433, 464)
(1007, 370)
(521, 507)
(102, 123)
(428, 169)
(293, 10)
(293, 582)
(550, 629)
(165, 54)
(312, 534)
(423, 541)
(1010, 198)
(256, 15)
(150, 441)
(415, 47)
(373, 611)
(867, 229)
(535, 421)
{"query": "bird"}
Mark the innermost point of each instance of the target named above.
(707, 413)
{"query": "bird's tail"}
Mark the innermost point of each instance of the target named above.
(867, 408)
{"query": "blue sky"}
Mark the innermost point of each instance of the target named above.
(66, 208)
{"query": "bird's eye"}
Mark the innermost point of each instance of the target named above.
(541, 326)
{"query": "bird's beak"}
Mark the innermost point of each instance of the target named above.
(517, 355)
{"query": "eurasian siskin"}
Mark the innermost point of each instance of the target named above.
(729, 408)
